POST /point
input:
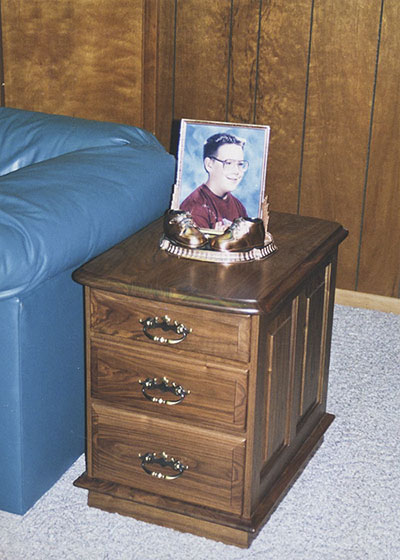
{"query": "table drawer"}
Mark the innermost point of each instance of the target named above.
(214, 333)
(210, 393)
(212, 468)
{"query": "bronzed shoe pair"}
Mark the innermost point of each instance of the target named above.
(180, 228)
(242, 235)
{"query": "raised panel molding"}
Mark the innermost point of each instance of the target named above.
(296, 367)
(314, 315)
(277, 385)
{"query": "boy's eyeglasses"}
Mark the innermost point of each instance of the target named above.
(230, 164)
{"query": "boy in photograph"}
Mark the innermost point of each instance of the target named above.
(212, 205)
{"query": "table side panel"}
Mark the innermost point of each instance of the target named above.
(294, 367)
(313, 325)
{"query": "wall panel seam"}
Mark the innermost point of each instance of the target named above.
(2, 84)
(174, 61)
(303, 135)
(371, 123)
(229, 61)
(257, 62)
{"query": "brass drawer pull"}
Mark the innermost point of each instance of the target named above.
(165, 387)
(165, 324)
(165, 462)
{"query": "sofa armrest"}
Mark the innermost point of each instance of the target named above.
(28, 137)
(59, 213)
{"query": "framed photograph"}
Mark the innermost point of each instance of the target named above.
(221, 172)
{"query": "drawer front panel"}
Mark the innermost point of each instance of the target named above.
(214, 476)
(218, 334)
(212, 394)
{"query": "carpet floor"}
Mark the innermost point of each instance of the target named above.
(344, 506)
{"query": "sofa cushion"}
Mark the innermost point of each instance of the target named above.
(57, 214)
(28, 137)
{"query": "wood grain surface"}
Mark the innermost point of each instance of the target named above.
(215, 395)
(158, 63)
(243, 63)
(281, 91)
(215, 467)
(76, 58)
(202, 59)
(226, 335)
(379, 269)
(248, 288)
(2, 90)
(338, 119)
(257, 406)
(323, 74)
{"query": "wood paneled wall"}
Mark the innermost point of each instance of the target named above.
(323, 74)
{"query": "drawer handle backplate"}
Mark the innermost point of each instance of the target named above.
(164, 386)
(163, 461)
(165, 324)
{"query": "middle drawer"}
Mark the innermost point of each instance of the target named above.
(193, 390)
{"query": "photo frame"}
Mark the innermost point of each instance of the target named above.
(219, 210)
(191, 172)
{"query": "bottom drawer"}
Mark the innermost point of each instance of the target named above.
(215, 462)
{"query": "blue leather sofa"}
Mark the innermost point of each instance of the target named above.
(69, 189)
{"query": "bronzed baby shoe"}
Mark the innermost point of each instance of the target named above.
(242, 235)
(180, 228)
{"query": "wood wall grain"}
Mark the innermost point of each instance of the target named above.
(323, 74)
(2, 94)
(281, 90)
(79, 58)
(338, 118)
(379, 249)
(202, 58)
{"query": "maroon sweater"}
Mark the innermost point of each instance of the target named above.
(207, 208)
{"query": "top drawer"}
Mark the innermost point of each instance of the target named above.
(215, 333)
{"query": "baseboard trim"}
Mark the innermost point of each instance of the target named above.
(367, 301)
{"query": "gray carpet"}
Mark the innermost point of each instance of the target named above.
(345, 505)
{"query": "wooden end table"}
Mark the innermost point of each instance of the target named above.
(206, 383)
